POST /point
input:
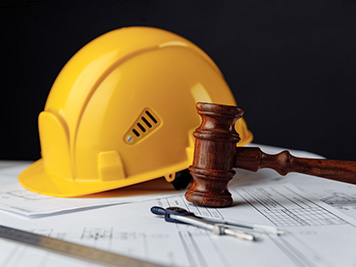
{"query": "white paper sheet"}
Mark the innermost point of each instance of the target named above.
(15, 198)
(316, 234)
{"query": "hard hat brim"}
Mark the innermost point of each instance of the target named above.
(37, 180)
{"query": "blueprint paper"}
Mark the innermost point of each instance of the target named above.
(316, 233)
(341, 196)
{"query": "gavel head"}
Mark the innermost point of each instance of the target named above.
(215, 149)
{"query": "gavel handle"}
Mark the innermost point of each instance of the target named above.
(253, 159)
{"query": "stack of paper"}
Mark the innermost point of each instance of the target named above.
(317, 234)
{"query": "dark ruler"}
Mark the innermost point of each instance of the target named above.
(71, 249)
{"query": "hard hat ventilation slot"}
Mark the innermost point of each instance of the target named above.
(136, 132)
(145, 124)
(151, 116)
(141, 127)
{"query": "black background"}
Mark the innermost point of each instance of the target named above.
(290, 64)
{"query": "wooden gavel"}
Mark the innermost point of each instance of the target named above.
(216, 155)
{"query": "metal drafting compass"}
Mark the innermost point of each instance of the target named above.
(179, 215)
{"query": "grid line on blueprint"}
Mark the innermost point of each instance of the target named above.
(270, 202)
(314, 216)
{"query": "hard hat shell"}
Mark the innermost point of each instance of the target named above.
(122, 111)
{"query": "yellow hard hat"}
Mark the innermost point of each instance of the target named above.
(122, 111)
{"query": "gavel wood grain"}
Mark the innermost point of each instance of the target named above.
(216, 155)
